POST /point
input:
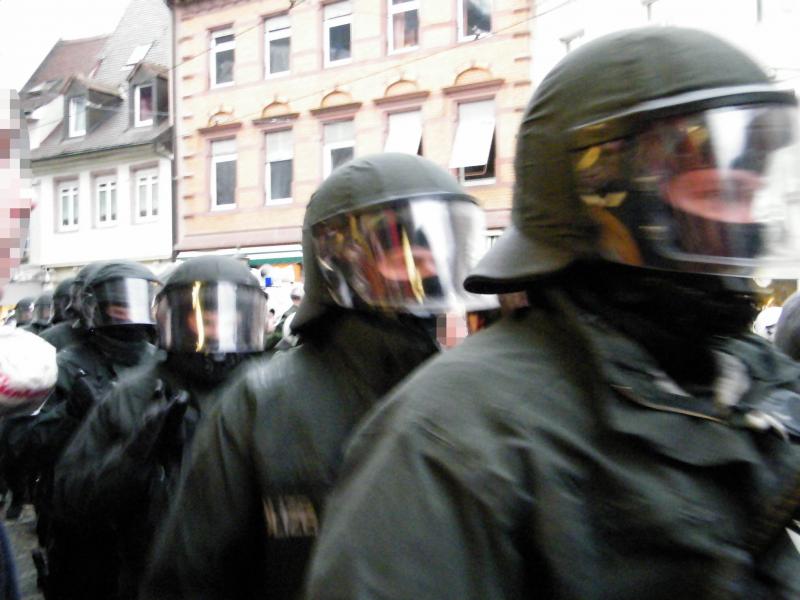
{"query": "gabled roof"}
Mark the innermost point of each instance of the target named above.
(144, 23)
(65, 59)
(90, 84)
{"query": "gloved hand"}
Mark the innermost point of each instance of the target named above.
(83, 396)
(160, 428)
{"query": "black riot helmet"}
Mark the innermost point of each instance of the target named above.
(61, 299)
(660, 148)
(43, 309)
(23, 311)
(118, 295)
(211, 305)
(74, 307)
(392, 233)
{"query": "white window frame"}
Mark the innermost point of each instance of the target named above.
(328, 147)
(107, 184)
(69, 190)
(395, 9)
(331, 22)
(461, 24)
(215, 160)
(223, 47)
(137, 121)
(147, 178)
(280, 29)
(276, 156)
(73, 114)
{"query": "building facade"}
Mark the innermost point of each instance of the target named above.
(101, 161)
(271, 95)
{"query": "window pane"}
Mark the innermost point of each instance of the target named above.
(79, 114)
(222, 147)
(280, 179)
(74, 206)
(478, 17)
(279, 55)
(279, 145)
(64, 209)
(101, 205)
(341, 131)
(339, 156)
(226, 182)
(224, 66)
(405, 29)
(154, 196)
(142, 199)
(145, 103)
(340, 42)
(222, 39)
(113, 204)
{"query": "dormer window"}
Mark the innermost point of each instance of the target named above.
(77, 116)
(143, 105)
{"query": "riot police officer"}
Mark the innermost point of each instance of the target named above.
(626, 435)
(62, 331)
(23, 312)
(386, 238)
(115, 314)
(122, 464)
(42, 313)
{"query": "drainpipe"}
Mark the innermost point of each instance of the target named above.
(174, 118)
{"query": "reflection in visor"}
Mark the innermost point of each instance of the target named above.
(717, 191)
(123, 301)
(211, 317)
(410, 255)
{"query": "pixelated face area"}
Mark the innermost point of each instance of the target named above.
(15, 199)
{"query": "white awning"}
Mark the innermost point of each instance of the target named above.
(405, 132)
(474, 135)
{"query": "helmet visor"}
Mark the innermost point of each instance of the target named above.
(408, 256)
(712, 192)
(211, 318)
(120, 301)
(42, 312)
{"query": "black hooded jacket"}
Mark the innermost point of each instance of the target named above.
(249, 507)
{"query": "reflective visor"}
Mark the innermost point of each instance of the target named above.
(42, 312)
(211, 317)
(407, 256)
(121, 301)
(716, 192)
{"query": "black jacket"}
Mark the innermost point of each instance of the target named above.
(550, 457)
(248, 509)
(71, 546)
(62, 334)
(108, 474)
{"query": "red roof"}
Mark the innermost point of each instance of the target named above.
(67, 58)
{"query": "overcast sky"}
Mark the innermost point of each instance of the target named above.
(29, 28)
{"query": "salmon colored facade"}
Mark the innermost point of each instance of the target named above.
(224, 120)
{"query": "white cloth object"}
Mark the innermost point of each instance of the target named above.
(28, 371)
